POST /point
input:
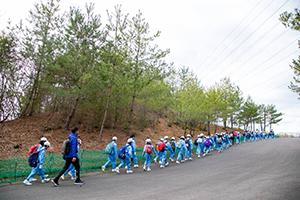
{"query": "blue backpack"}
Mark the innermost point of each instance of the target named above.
(122, 152)
(33, 159)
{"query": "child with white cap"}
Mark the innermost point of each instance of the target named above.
(111, 149)
(147, 152)
(167, 148)
(173, 145)
(41, 149)
(180, 145)
(127, 153)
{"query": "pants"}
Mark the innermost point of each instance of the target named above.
(188, 153)
(232, 141)
(163, 157)
(126, 162)
(180, 155)
(148, 157)
(111, 159)
(158, 156)
(65, 168)
(72, 169)
(219, 147)
(134, 158)
(200, 149)
(173, 154)
(207, 149)
(34, 171)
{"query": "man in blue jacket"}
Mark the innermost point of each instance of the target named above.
(71, 158)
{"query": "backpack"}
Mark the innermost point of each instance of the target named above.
(161, 147)
(109, 148)
(156, 146)
(219, 141)
(65, 149)
(207, 143)
(32, 149)
(195, 142)
(187, 142)
(34, 156)
(173, 145)
(148, 149)
(122, 152)
(178, 144)
(199, 140)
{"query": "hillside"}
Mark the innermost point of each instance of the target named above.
(18, 135)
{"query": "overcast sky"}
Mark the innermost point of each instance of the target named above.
(240, 39)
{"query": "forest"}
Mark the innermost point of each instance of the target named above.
(112, 75)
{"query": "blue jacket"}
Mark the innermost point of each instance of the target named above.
(129, 151)
(73, 146)
(133, 146)
(42, 152)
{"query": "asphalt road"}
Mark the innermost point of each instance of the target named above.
(257, 170)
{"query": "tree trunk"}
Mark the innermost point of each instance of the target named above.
(105, 114)
(216, 128)
(68, 121)
(110, 89)
(185, 125)
(131, 113)
(208, 127)
(224, 124)
(265, 122)
(231, 121)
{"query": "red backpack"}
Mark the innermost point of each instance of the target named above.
(161, 146)
(148, 149)
(33, 149)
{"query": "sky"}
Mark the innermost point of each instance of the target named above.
(240, 39)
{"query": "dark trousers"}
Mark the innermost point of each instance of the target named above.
(232, 141)
(67, 165)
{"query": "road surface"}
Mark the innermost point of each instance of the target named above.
(256, 170)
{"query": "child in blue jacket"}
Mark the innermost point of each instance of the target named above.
(127, 160)
(39, 168)
(112, 156)
(148, 156)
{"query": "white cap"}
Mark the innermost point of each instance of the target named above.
(201, 135)
(181, 137)
(166, 137)
(198, 135)
(115, 138)
(129, 140)
(206, 137)
(47, 144)
(43, 139)
(161, 139)
(148, 140)
(173, 138)
(188, 135)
